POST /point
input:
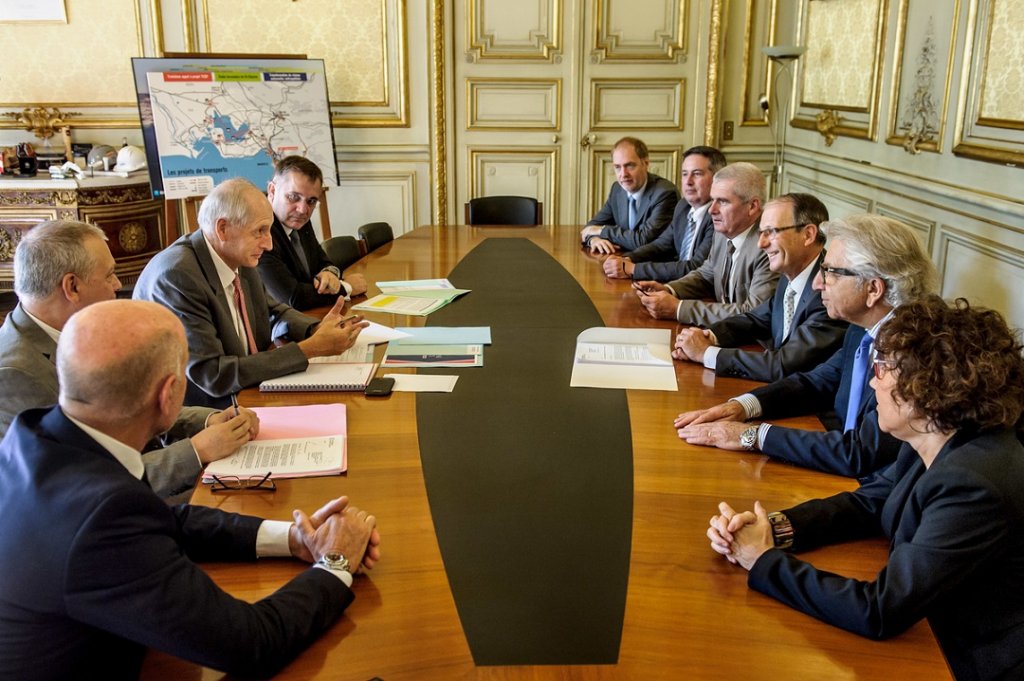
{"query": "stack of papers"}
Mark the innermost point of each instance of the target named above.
(417, 297)
(294, 442)
(362, 351)
(624, 358)
(439, 346)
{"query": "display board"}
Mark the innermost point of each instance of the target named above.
(205, 120)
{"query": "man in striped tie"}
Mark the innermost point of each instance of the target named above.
(686, 242)
(793, 327)
(873, 265)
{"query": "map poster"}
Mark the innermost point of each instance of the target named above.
(204, 123)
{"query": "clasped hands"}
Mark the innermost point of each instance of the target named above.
(741, 537)
(658, 299)
(336, 527)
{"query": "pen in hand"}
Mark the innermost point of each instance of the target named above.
(234, 403)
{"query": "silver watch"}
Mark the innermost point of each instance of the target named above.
(335, 561)
(748, 439)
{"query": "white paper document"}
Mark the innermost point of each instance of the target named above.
(422, 383)
(358, 353)
(640, 359)
(413, 285)
(290, 458)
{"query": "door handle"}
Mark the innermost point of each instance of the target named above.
(588, 139)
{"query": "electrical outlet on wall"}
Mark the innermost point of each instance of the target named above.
(727, 131)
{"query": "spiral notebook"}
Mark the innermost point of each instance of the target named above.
(336, 376)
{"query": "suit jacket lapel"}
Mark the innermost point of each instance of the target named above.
(34, 334)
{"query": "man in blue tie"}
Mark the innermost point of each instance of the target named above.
(873, 265)
(639, 206)
(686, 242)
(793, 325)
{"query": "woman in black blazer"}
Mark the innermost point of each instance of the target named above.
(950, 385)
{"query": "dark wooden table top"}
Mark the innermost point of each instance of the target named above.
(689, 613)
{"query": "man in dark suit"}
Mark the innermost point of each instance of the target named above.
(685, 244)
(793, 326)
(736, 275)
(61, 267)
(296, 270)
(96, 568)
(209, 279)
(639, 206)
(873, 265)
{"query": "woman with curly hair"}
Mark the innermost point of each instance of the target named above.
(950, 385)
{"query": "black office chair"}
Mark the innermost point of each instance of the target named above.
(504, 210)
(375, 235)
(342, 251)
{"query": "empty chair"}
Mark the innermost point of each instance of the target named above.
(342, 251)
(376, 234)
(504, 210)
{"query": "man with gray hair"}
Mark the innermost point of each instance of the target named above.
(737, 273)
(874, 264)
(61, 267)
(209, 280)
(97, 569)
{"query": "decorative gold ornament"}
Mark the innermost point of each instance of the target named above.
(132, 237)
(8, 244)
(44, 121)
(826, 123)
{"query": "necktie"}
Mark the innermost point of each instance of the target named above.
(726, 288)
(632, 213)
(240, 304)
(300, 253)
(691, 231)
(858, 378)
(789, 309)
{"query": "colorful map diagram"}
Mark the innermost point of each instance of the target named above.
(212, 125)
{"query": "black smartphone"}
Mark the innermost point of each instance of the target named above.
(379, 387)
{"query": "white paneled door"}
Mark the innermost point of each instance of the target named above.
(543, 89)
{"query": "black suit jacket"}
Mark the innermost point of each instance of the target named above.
(284, 276)
(660, 260)
(813, 338)
(97, 568)
(856, 453)
(654, 210)
(956, 554)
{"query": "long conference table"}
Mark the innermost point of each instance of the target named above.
(684, 612)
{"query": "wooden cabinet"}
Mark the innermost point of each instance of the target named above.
(122, 207)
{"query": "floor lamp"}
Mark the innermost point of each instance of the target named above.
(782, 56)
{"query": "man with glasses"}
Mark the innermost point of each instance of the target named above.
(296, 270)
(685, 244)
(736, 275)
(639, 206)
(97, 568)
(873, 265)
(209, 279)
(793, 326)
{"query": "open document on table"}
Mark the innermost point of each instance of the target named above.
(294, 442)
(624, 358)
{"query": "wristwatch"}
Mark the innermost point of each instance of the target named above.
(782, 530)
(335, 561)
(748, 439)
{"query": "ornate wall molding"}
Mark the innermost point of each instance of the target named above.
(514, 103)
(531, 31)
(841, 69)
(922, 76)
(366, 72)
(990, 113)
(616, 104)
(626, 32)
(521, 171)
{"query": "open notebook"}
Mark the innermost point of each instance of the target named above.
(347, 376)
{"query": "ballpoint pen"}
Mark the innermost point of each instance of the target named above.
(234, 402)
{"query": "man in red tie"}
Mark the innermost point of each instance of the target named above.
(208, 279)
